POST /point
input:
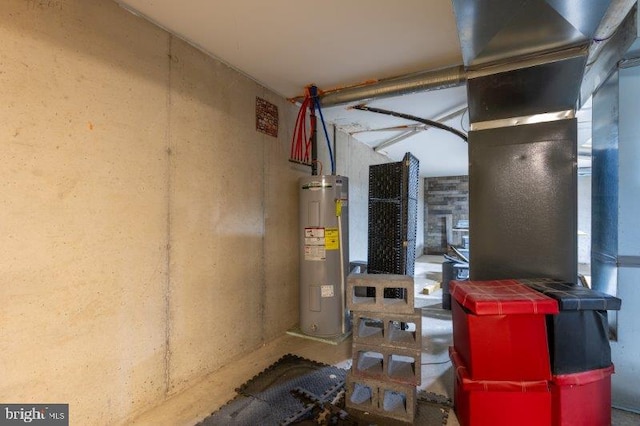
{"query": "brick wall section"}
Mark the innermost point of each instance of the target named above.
(446, 202)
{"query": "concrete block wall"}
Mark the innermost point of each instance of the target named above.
(446, 202)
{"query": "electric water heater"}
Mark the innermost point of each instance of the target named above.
(324, 255)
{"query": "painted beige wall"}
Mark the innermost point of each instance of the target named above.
(353, 160)
(146, 226)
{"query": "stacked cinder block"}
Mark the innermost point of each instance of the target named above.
(387, 346)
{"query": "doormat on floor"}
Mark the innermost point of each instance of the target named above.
(296, 390)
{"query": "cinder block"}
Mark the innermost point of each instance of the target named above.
(379, 328)
(361, 393)
(384, 363)
(393, 400)
(357, 299)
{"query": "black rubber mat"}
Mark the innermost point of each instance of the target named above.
(268, 398)
(285, 394)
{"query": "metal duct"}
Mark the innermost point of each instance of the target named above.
(523, 201)
(522, 171)
(604, 55)
(500, 30)
(615, 253)
(604, 190)
(526, 61)
(617, 12)
(544, 88)
(443, 78)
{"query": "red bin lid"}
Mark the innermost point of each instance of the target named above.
(501, 297)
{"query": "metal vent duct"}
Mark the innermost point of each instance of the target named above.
(500, 30)
(522, 143)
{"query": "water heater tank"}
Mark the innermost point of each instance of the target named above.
(324, 255)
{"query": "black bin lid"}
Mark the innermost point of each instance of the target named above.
(572, 297)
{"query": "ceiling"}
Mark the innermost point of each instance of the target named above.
(287, 44)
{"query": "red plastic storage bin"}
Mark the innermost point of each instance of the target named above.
(582, 399)
(499, 403)
(499, 330)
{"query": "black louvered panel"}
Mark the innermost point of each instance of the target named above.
(393, 211)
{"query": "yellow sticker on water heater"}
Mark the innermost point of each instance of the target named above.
(331, 239)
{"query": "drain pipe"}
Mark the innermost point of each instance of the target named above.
(343, 293)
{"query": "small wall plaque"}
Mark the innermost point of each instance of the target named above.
(266, 117)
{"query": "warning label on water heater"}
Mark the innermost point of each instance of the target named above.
(331, 241)
(314, 232)
(314, 244)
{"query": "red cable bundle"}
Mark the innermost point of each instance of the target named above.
(301, 143)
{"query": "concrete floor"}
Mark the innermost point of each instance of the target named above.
(196, 403)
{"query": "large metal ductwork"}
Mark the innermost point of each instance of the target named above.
(501, 30)
(615, 252)
(522, 143)
(523, 201)
(522, 150)
(614, 36)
